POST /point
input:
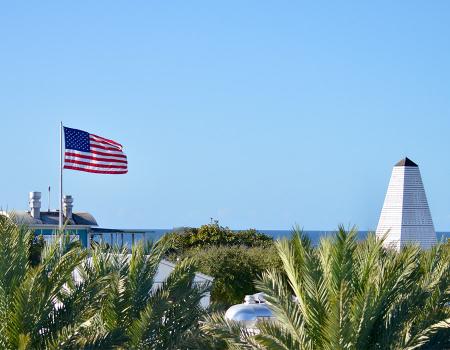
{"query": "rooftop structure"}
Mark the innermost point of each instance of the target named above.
(405, 217)
(250, 312)
(35, 217)
(80, 225)
(83, 226)
(165, 268)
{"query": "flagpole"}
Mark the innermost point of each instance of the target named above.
(60, 176)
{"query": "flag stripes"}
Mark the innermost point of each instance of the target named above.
(93, 153)
(89, 170)
(93, 158)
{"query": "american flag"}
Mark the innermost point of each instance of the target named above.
(92, 153)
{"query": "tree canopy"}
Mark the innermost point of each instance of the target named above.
(349, 295)
(103, 298)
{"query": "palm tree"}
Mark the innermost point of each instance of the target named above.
(29, 295)
(101, 299)
(128, 311)
(349, 295)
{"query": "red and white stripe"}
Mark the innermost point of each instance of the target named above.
(106, 157)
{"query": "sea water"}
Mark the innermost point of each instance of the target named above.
(315, 236)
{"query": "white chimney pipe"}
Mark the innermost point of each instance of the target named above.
(35, 204)
(67, 206)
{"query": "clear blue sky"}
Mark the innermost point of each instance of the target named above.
(260, 114)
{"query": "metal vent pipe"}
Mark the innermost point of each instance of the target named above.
(35, 204)
(67, 206)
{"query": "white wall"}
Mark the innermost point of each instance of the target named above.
(405, 214)
(164, 270)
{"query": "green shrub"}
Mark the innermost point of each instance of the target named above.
(215, 235)
(37, 244)
(234, 269)
(233, 258)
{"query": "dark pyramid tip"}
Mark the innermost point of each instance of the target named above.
(406, 162)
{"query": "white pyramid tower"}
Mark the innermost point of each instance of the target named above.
(405, 214)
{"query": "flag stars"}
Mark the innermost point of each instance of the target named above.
(76, 140)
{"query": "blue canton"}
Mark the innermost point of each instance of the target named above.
(77, 140)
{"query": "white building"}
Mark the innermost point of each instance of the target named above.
(83, 226)
(405, 216)
(165, 268)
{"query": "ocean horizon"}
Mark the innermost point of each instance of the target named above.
(314, 235)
